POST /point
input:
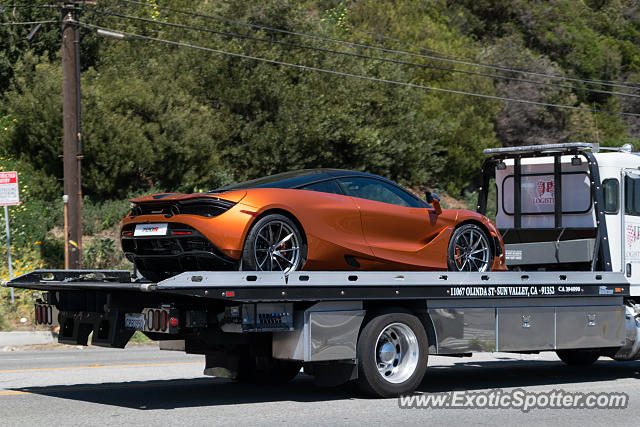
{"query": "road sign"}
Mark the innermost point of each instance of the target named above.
(9, 195)
(9, 192)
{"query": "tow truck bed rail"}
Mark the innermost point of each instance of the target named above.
(331, 285)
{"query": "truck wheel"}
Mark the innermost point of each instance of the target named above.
(578, 357)
(266, 370)
(469, 250)
(275, 243)
(392, 354)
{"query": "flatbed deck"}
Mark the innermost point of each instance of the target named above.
(246, 286)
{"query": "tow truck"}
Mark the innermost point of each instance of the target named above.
(569, 215)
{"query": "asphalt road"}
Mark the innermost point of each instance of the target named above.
(145, 386)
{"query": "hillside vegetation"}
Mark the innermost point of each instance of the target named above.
(164, 117)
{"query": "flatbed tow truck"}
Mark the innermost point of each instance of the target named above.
(570, 218)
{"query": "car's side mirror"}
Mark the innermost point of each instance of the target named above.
(434, 200)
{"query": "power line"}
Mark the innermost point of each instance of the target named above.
(3, 7)
(383, 49)
(358, 76)
(351, 54)
(406, 43)
(27, 23)
(385, 37)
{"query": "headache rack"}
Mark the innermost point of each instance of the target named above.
(560, 243)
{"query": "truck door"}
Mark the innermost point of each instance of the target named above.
(631, 224)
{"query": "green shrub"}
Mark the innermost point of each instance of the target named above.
(101, 253)
(100, 216)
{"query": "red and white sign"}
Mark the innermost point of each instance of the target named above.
(545, 193)
(9, 191)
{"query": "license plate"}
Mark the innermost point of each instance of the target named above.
(134, 321)
(150, 230)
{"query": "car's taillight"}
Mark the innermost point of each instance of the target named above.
(202, 206)
(206, 207)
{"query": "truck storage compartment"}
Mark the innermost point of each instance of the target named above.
(590, 327)
(464, 330)
(324, 331)
(524, 328)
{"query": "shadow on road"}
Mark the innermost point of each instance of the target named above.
(170, 394)
(512, 374)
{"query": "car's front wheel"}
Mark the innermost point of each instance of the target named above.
(274, 243)
(469, 249)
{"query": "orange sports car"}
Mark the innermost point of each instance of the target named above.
(318, 219)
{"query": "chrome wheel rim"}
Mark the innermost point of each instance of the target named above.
(471, 251)
(397, 353)
(277, 247)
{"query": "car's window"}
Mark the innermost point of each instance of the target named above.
(324, 187)
(282, 180)
(379, 191)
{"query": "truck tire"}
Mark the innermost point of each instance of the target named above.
(267, 370)
(392, 353)
(578, 357)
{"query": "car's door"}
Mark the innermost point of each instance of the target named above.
(396, 225)
(333, 221)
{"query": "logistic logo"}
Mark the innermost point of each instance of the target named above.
(631, 239)
(545, 192)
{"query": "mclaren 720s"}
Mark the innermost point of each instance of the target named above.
(318, 219)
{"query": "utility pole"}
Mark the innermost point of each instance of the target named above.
(72, 130)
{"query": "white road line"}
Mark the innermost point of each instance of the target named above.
(2, 359)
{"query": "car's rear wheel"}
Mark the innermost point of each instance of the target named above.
(469, 249)
(274, 243)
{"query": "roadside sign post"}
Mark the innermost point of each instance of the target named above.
(9, 196)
